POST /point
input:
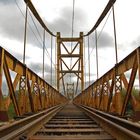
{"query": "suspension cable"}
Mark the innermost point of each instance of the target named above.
(35, 26)
(51, 58)
(97, 36)
(43, 54)
(47, 53)
(73, 15)
(96, 53)
(72, 32)
(102, 16)
(115, 37)
(100, 33)
(25, 33)
(104, 25)
(37, 16)
(34, 32)
(28, 24)
(44, 48)
(85, 62)
(41, 38)
(88, 60)
(56, 62)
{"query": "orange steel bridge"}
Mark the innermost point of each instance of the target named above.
(99, 111)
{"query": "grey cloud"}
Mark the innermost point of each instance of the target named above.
(104, 40)
(19, 56)
(136, 42)
(11, 20)
(37, 67)
(12, 23)
(7, 2)
(63, 24)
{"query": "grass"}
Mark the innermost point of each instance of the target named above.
(11, 111)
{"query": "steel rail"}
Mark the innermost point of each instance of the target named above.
(71, 123)
(117, 127)
(27, 126)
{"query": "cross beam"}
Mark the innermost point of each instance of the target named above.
(77, 67)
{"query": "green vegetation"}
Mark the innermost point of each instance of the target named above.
(136, 94)
(11, 112)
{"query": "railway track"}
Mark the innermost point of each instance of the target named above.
(22, 129)
(71, 122)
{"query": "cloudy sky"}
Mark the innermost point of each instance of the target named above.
(57, 15)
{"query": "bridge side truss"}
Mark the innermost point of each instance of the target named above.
(27, 92)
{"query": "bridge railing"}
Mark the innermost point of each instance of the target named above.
(27, 92)
(114, 92)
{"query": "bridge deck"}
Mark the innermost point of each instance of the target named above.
(71, 123)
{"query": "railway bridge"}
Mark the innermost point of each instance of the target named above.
(107, 108)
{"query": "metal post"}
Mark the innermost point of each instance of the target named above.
(82, 67)
(51, 58)
(88, 60)
(116, 53)
(84, 61)
(1, 73)
(96, 54)
(25, 33)
(43, 53)
(138, 59)
(56, 63)
(58, 59)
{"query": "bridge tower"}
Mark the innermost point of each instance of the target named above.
(66, 52)
(70, 91)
